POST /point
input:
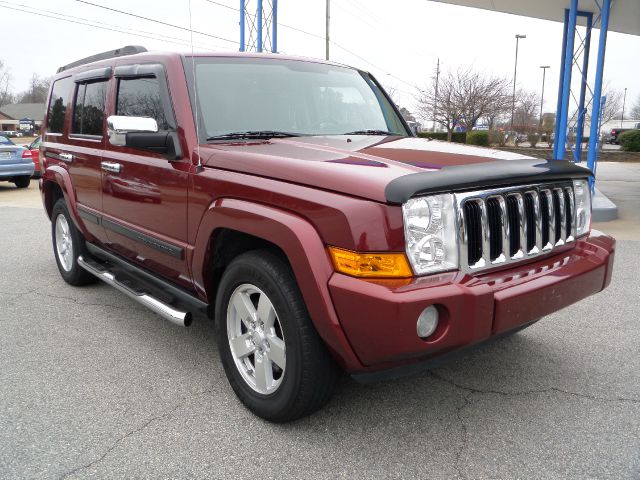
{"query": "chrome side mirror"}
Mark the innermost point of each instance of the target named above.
(118, 126)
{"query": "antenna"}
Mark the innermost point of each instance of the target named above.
(195, 93)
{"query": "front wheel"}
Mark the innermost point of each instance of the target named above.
(68, 245)
(273, 357)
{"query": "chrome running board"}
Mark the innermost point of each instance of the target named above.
(167, 312)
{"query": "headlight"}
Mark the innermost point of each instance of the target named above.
(430, 233)
(582, 192)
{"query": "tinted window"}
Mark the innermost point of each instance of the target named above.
(88, 113)
(58, 104)
(140, 97)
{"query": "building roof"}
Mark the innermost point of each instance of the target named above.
(18, 111)
(624, 18)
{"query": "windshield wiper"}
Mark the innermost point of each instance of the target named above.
(371, 132)
(252, 134)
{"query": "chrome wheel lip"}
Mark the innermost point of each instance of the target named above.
(256, 339)
(64, 242)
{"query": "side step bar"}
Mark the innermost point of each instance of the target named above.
(167, 312)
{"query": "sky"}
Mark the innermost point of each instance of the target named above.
(398, 41)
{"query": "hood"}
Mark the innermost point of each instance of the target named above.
(357, 165)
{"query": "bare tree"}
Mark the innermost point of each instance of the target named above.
(526, 116)
(481, 96)
(37, 91)
(612, 106)
(463, 98)
(635, 110)
(6, 96)
(446, 108)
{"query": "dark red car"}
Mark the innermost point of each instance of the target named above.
(287, 199)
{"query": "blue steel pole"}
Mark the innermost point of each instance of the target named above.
(561, 139)
(259, 21)
(274, 27)
(242, 25)
(560, 83)
(577, 155)
(592, 155)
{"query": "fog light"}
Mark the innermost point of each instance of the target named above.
(427, 322)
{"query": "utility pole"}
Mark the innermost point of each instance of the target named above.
(435, 98)
(544, 71)
(326, 38)
(624, 101)
(515, 72)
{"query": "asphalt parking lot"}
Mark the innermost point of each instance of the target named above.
(94, 386)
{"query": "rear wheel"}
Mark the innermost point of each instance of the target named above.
(68, 245)
(273, 357)
(22, 182)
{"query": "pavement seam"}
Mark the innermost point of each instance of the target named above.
(464, 435)
(533, 391)
(122, 438)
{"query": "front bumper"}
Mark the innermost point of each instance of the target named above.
(379, 317)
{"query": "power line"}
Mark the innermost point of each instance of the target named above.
(115, 28)
(158, 38)
(156, 21)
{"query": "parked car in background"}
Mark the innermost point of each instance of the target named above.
(34, 148)
(614, 136)
(16, 164)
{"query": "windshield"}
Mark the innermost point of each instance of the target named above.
(291, 97)
(5, 141)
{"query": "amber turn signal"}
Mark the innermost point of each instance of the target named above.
(370, 265)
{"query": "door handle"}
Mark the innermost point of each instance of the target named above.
(66, 157)
(111, 167)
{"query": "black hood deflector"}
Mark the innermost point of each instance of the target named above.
(481, 176)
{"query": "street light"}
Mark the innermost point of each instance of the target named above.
(544, 71)
(515, 71)
(623, 105)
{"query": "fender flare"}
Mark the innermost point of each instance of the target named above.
(304, 249)
(60, 176)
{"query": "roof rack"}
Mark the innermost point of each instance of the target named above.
(118, 52)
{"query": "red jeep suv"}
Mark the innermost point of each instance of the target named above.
(287, 199)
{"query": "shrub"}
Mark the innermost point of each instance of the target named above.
(630, 141)
(476, 137)
(533, 139)
(456, 137)
(498, 137)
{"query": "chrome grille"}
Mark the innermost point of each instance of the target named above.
(506, 225)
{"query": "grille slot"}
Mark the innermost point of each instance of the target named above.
(512, 224)
(494, 216)
(531, 219)
(472, 219)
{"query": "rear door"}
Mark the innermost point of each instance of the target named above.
(74, 138)
(144, 194)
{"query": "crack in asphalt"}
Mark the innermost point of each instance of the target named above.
(130, 433)
(532, 391)
(464, 435)
(75, 300)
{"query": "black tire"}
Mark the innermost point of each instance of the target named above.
(22, 182)
(75, 275)
(310, 373)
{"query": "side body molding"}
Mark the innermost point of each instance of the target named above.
(304, 249)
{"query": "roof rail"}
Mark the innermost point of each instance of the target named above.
(118, 52)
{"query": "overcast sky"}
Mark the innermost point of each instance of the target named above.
(397, 41)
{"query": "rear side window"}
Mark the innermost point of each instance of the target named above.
(58, 104)
(88, 112)
(140, 97)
